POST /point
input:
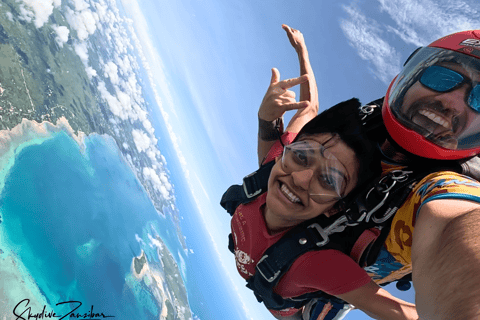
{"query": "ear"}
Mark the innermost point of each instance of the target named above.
(277, 158)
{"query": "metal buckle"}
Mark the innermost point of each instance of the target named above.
(390, 212)
(379, 205)
(250, 195)
(338, 226)
(269, 279)
(322, 233)
(396, 176)
(365, 111)
(400, 175)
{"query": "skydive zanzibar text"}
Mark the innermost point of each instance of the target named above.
(23, 312)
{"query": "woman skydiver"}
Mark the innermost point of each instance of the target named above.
(318, 161)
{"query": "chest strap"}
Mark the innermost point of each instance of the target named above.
(364, 243)
(253, 185)
(321, 235)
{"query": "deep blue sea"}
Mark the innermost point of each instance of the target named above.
(72, 219)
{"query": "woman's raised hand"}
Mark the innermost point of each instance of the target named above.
(279, 99)
(296, 38)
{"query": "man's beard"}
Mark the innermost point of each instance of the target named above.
(429, 118)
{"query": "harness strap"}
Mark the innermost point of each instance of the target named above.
(366, 239)
(231, 243)
(253, 185)
(276, 260)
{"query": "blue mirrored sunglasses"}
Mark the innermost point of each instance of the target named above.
(442, 79)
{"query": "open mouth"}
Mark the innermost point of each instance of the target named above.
(289, 194)
(441, 121)
(439, 128)
(433, 122)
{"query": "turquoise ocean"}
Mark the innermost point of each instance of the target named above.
(76, 218)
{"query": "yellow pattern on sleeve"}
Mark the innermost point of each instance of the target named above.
(439, 185)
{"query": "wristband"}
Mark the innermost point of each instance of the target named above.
(270, 130)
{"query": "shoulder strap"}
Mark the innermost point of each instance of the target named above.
(372, 121)
(278, 259)
(253, 185)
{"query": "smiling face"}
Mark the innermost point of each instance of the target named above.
(433, 106)
(441, 116)
(288, 200)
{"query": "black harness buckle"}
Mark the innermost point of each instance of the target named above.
(257, 182)
(250, 187)
(266, 270)
(323, 235)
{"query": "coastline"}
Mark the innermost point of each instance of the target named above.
(13, 272)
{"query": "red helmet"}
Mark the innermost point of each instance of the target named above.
(432, 108)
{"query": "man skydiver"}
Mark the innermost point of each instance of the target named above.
(432, 110)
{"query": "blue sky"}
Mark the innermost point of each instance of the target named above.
(210, 64)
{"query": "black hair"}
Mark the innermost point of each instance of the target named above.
(344, 120)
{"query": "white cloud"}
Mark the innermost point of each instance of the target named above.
(414, 22)
(25, 14)
(141, 140)
(161, 182)
(40, 9)
(91, 72)
(365, 35)
(141, 29)
(62, 34)
(101, 9)
(80, 5)
(115, 106)
(126, 103)
(82, 51)
(9, 15)
(123, 106)
(111, 71)
(421, 22)
(83, 22)
(148, 126)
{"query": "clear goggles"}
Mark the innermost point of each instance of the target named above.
(438, 96)
(328, 180)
